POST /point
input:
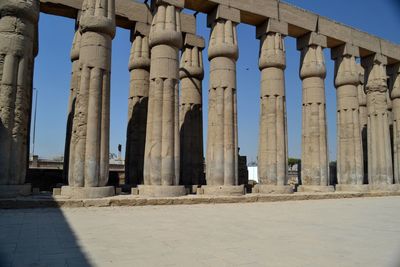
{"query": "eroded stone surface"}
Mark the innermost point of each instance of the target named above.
(272, 153)
(161, 162)
(89, 151)
(191, 116)
(222, 142)
(139, 67)
(314, 164)
(18, 24)
(379, 147)
(395, 94)
(349, 154)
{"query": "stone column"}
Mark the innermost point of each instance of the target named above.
(75, 79)
(161, 162)
(222, 142)
(363, 118)
(349, 146)
(139, 68)
(191, 113)
(272, 152)
(380, 173)
(314, 158)
(394, 72)
(18, 24)
(89, 152)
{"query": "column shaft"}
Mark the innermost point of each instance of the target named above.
(363, 119)
(18, 24)
(314, 137)
(395, 95)
(89, 152)
(222, 143)
(74, 87)
(272, 153)
(349, 146)
(379, 147)
(191, 116)
(139, 67)
(161, 162)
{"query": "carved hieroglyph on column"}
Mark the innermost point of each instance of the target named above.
(75, 80)
(161, 162)
(380, 173)
(314, 159)
(89, 149)
(18, 23)
(363, 118)
(272, 152)
(349, 147)
(222, 142)
(395, 94)
(191, 112)
(139, 67)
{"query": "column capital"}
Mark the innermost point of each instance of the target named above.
(102, 20)
(272, 26)
(22, 9)
(345, 50)
(394, 72)
(375, 73)
(224, 13)
(312, 38)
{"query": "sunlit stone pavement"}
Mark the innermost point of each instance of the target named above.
(345, 232)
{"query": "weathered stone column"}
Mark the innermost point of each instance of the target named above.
(75, 80)
(18, 24)
(139, 68)
(380, 173)
(161, 162)
(349, 146)
(314, 159)
(89, 152)
(191, 113)
(363, 118)
(222, 139)
(394, 72)
(272, 152)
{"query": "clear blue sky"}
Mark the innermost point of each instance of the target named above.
(53, 68)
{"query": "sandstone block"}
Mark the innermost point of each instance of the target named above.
(12, 191)
(161, 191)
(352, 188)
(223, 190)
(345, 50)
(223, 12)
(315, 189)
(273, 26)
(311, 38)
(87, 192)
(272, 189)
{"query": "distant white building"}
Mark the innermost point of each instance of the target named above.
(253, 173)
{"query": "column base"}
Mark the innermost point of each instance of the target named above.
(161, 190)
(272, 189)
(352, 188)
(316, 188)
(384, 187)
(87, 192)
(223, 190)
(12, 191)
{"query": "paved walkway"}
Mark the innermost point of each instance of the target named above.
(346, 232)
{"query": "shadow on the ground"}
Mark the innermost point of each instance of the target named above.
(39, 237)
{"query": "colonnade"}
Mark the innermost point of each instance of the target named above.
(164, 149)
